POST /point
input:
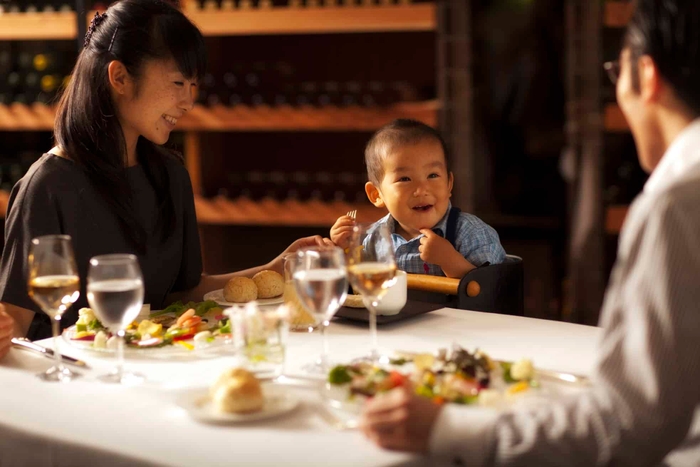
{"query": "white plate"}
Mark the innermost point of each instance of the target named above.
(218, 297)
(199, 406)
(176, 350)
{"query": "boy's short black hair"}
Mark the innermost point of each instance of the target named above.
(669, 32)
(400, 132)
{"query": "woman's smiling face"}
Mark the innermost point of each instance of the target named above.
(151, 106)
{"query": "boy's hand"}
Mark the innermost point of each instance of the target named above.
(435, 249)
(342, 230)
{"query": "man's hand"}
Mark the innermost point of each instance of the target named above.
(6, 328)
(342, 231)
(400, 420)
(435, 249)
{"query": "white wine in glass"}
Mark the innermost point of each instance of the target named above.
(371, 270)
(115, 292)
(54, 285)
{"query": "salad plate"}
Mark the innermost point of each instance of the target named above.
(193, 329)
(458, 377)
(200, 407)
(218, 297)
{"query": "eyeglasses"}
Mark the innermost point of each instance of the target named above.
(613, 69)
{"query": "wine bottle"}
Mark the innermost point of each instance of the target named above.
(5, 59)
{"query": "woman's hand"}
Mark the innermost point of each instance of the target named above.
(6, 328)
(278, 263)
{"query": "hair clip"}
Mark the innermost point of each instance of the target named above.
(96, 21)
(112, 41)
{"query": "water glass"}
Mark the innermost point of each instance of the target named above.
(320, 280)
(115, 292)
(260, 337)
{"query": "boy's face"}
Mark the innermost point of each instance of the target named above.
(416, 187)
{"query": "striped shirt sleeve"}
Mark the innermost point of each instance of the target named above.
(647, 374)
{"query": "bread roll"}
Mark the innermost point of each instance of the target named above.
(270, 284)
(354, 301)
(225, 377)
(240, 290)
(237, 391)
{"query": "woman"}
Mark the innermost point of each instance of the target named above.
(107, 183)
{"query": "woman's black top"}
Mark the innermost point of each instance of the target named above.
(56, 197)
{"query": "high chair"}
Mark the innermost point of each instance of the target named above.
(496, 288)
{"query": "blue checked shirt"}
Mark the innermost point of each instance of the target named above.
(477, 241)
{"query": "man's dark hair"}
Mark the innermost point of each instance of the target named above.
(669, 32)
(400, 132)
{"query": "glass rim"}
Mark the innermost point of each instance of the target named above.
(37, 240)
(112, 258)
(317, 248)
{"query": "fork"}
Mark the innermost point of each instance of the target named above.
(352, 214)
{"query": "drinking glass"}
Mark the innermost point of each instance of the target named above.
(299, 319)
(115, 293)
(371, 270)
(260, 337)
(320, 280)
(53, 283)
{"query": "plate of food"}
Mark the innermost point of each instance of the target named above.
(265, 288)
(237, 397)
(458, 377)
(180, 329)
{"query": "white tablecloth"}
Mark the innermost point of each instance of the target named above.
(91, 423)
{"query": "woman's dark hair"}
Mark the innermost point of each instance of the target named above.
(399, 132)
(87, 128)
(669, 32)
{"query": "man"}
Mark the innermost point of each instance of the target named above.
(647, 374)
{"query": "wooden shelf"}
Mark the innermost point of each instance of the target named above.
(618, 14)
(323, 20)
(37, 26)
(270, 212)
(38, 117)
(253, 21)
(266, 212)
(614, 218)
(614, 120)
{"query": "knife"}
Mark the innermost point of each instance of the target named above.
(26, 344)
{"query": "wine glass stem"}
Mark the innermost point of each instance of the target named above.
(56, 326)
(120, 352)
(324, 336)
(374, 353)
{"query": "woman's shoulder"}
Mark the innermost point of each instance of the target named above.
(48, 173)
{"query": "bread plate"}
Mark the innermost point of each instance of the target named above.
(198, 405)
(218, 297)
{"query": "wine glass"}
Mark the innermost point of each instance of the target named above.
(371, 270)
(54, 285)
(115, 293)
(320, 280)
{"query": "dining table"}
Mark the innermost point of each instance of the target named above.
(87, 422)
